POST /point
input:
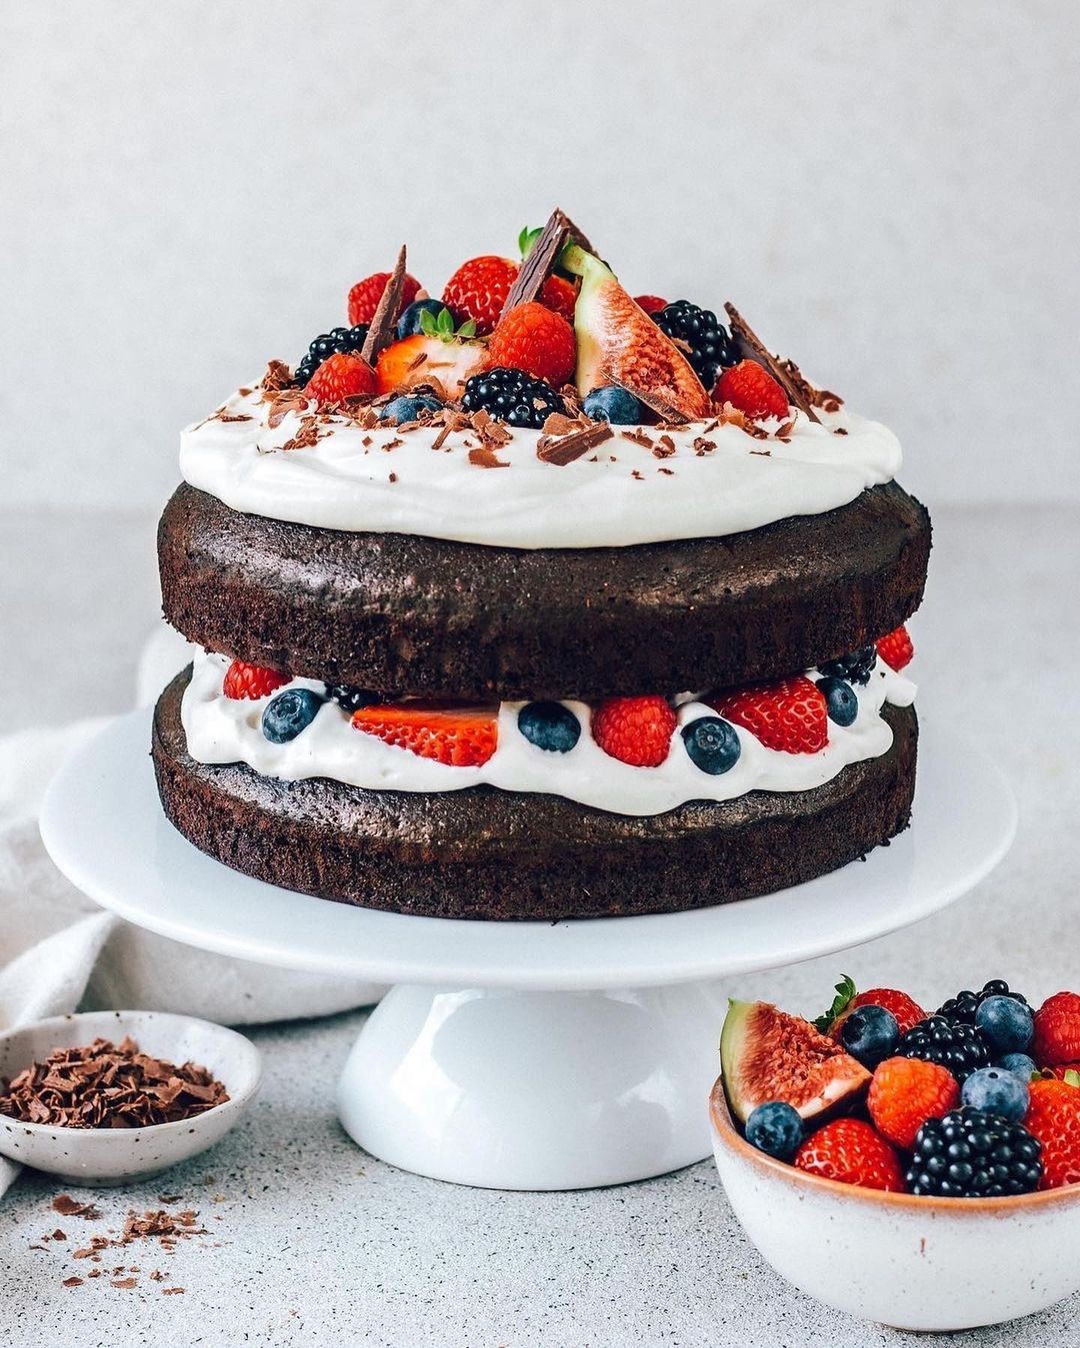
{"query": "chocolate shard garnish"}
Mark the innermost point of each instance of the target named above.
(565, 449)
(381, 330)
(751, 347)
(543, 255)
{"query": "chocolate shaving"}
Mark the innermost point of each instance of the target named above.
(703, 446)
(483, 456)
(664, 448)
(277, 376)
(785, 373)
(105, 1085)
(381, 330)
(565, 449)
(67, 1206)
(639, 437)
(543, 256)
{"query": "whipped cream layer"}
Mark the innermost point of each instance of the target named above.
(226, 730)
(616, 495)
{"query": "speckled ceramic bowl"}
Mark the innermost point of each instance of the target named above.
(98, 1156)
(915, 1263)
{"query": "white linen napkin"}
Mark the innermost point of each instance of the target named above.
(59, 951)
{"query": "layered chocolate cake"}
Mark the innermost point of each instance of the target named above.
(538, 601)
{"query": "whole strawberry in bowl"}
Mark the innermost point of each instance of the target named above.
(880, 1186)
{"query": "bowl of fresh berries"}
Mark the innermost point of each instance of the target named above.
(921, 1170)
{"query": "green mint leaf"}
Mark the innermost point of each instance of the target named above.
(845, 994)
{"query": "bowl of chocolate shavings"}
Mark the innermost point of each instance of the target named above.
(113, 1096)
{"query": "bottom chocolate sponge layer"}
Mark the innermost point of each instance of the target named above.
(484, 853)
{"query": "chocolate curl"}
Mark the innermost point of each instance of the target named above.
(543, 256)
(381, 332)
(751, 347)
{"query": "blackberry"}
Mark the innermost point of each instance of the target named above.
(969, 1154)
(706, 342)
(328, 344)
(855, 667)
(960, 1010)
(348, 698)
(512, 396)
(960, 1048)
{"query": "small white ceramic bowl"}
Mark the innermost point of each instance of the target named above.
(914, 1263)
(98, 1156)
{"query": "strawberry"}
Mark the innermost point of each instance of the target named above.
(461, 737)
(848, 1150)
(789, 715)
(905, 1092)
(537, 340)
(364, 297)
(752, 389)
(425, 359)
(1053, 1117)
(896, 648)
(1057, 1030)
(479, 287)
(905, 1009)
(250, 681)
(343, 375)
(652, 304)
(635, 730)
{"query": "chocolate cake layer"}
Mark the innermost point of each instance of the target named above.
(484, 853)
(420, 616)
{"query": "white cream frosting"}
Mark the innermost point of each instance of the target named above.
(617, 495)
(226, 730)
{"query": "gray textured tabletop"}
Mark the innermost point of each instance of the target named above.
(313, 1242)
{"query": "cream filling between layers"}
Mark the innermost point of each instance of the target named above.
(224, 730)
(618, 495)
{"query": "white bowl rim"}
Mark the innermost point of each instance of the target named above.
(725, 1133)
(235, 1101)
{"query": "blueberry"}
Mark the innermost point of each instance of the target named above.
(408, 325)
(995, 1090)
(840, 700)
(1007, 1024)
(289, 713)
(550, 726)
(408, 407)
(713, 744)
(870, 1034)
(1021, 1065)
(776, 1129)
(615, 405)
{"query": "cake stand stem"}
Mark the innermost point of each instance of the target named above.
(507, 1089)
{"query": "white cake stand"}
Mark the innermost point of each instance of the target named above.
(521, 1055)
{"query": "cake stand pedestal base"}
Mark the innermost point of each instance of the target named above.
(521, 1055)
(534, 1090)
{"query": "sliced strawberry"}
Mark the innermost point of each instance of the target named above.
(460, 737)
(535, 339)
(752, 389)
(422, 359)
(790, 715)
(896, 648)
(364, 297)
(344, 375)
(251, 681)
(635, 730)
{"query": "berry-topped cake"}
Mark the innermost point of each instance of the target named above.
(538, 601)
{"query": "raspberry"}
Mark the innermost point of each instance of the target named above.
(364, 297)
(345, 375)
(752, 389)
(905, 1092)
(635, 730)
(534, 339)
(1057, 1030)
(251, 681)
(896, 648)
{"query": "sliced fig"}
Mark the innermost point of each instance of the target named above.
(766, 1054)
(618, 343)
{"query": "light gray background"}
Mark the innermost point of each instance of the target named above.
(889, 191)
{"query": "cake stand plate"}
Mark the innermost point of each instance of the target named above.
(521, 1055)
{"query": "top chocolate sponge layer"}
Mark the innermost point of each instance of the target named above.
(409, 615)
